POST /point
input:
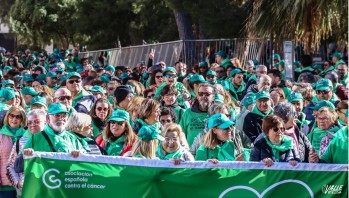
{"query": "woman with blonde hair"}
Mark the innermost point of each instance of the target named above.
(148, 115)
(133, 108)
(219, 144)
(171, 148)
(118, 136)
(147, 145)
(138, 87)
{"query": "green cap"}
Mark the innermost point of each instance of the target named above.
(323, 84)
(41, 55)
(219, 120)
(149, 133)
(255, 62)
(169, 69)
(124, 75)
(317, 66)
(221, 53)
(218, 98)
(74, 74)
(60, 69)
(64, 77)
(197, 78)
(295, 97)
(41, 77)
(203, 64)
(226, 63)
(28, 78)
(7, 82)
(29, 91)
(90, 57)
(95, 65)
(7, 68)
(248, 100)
(276, 56)
(104, 78)
(51, 74)
(323, 103)
(236, 71)
(38, 100)
(119, 115)
(56, 108)
(337, 55)
(7, 94)
(262, 94)
(97, 88)
(110, 68)
(211, 72)
(297, 63)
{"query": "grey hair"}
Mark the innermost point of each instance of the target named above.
(308, 77)
(286, 111)
(37, 112)
(261, 67)
(217, 108)
(77, 121)
(333, 76)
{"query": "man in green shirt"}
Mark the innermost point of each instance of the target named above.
(337, 59)
(343, 73)
(51, 80)
(54, 137)
(70, 65)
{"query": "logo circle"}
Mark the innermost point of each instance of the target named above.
(51, 179)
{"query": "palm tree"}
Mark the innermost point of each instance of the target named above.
(306, 21)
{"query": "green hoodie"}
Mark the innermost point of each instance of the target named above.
(223, 152)
(61, 142)
(337, 150)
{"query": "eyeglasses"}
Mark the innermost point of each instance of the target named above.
(210, 76)
(34, 122)
(322, 92)
(158, 77)
(111, 88)
(72, 81)
(62, 98)
(322, 119)
(276, 129)
(171, 139)
(151, 96)
(60, 115)
(18, 117)
(204, 94)
(165, 121)
(220, 71)
(101, 108)
(171, 75)
(116, 122)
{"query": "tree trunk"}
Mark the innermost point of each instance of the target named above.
(184, 25)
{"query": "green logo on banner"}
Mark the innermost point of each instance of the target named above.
(49, 175)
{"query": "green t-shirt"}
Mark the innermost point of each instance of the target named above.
(337, 150)
(316, 136)
(70, 66)
(192, 124)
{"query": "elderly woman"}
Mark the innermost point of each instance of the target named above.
(273, 145)
(118, 136)
(147, 144)
(169, 96)
(171, 148)
(80, 126)
(148, 115)
(100, 112)
(288, 114)
(219, 143)
(36, 123)
(326, 127)
(12, 130)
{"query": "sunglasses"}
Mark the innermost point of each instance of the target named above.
(219, 71)
(158, 77)
(151, 96)
(72, 81)
(117, 122)
(322, 92)
(171, 75)
(111, 88)
(276, 129)
(165, 121)
(101, 108)
(210, 76)
(204, 94)
(62, 98)
(18, 117)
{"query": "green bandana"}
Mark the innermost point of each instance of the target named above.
(317, 134)
(226, 151)
(256, 111)
(60, 141)
(14, 133)
(156, 125)
(286, 144)
(115, 148)
(176, 155)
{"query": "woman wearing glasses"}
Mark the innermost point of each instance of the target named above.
(274, 145)
(169, 96)
(219, 143)
(12, 131)
(100, 113)
(156, 79)
(118, 136)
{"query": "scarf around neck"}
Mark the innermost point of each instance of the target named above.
(286, 144)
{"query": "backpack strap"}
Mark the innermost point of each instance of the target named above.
(17, 146)
(48, 141)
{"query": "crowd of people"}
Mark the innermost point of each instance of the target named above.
(221, 111)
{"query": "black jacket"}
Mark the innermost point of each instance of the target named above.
(252, 125)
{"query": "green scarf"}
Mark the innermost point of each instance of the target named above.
(286, 144)
(342, 122)
(317, 134)
(84, 142)
(157, 125)
(256, 111)
(226, 151)
(27, 134)
(115, 147)
(177, 154)
(14, 133)
(61, 141)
